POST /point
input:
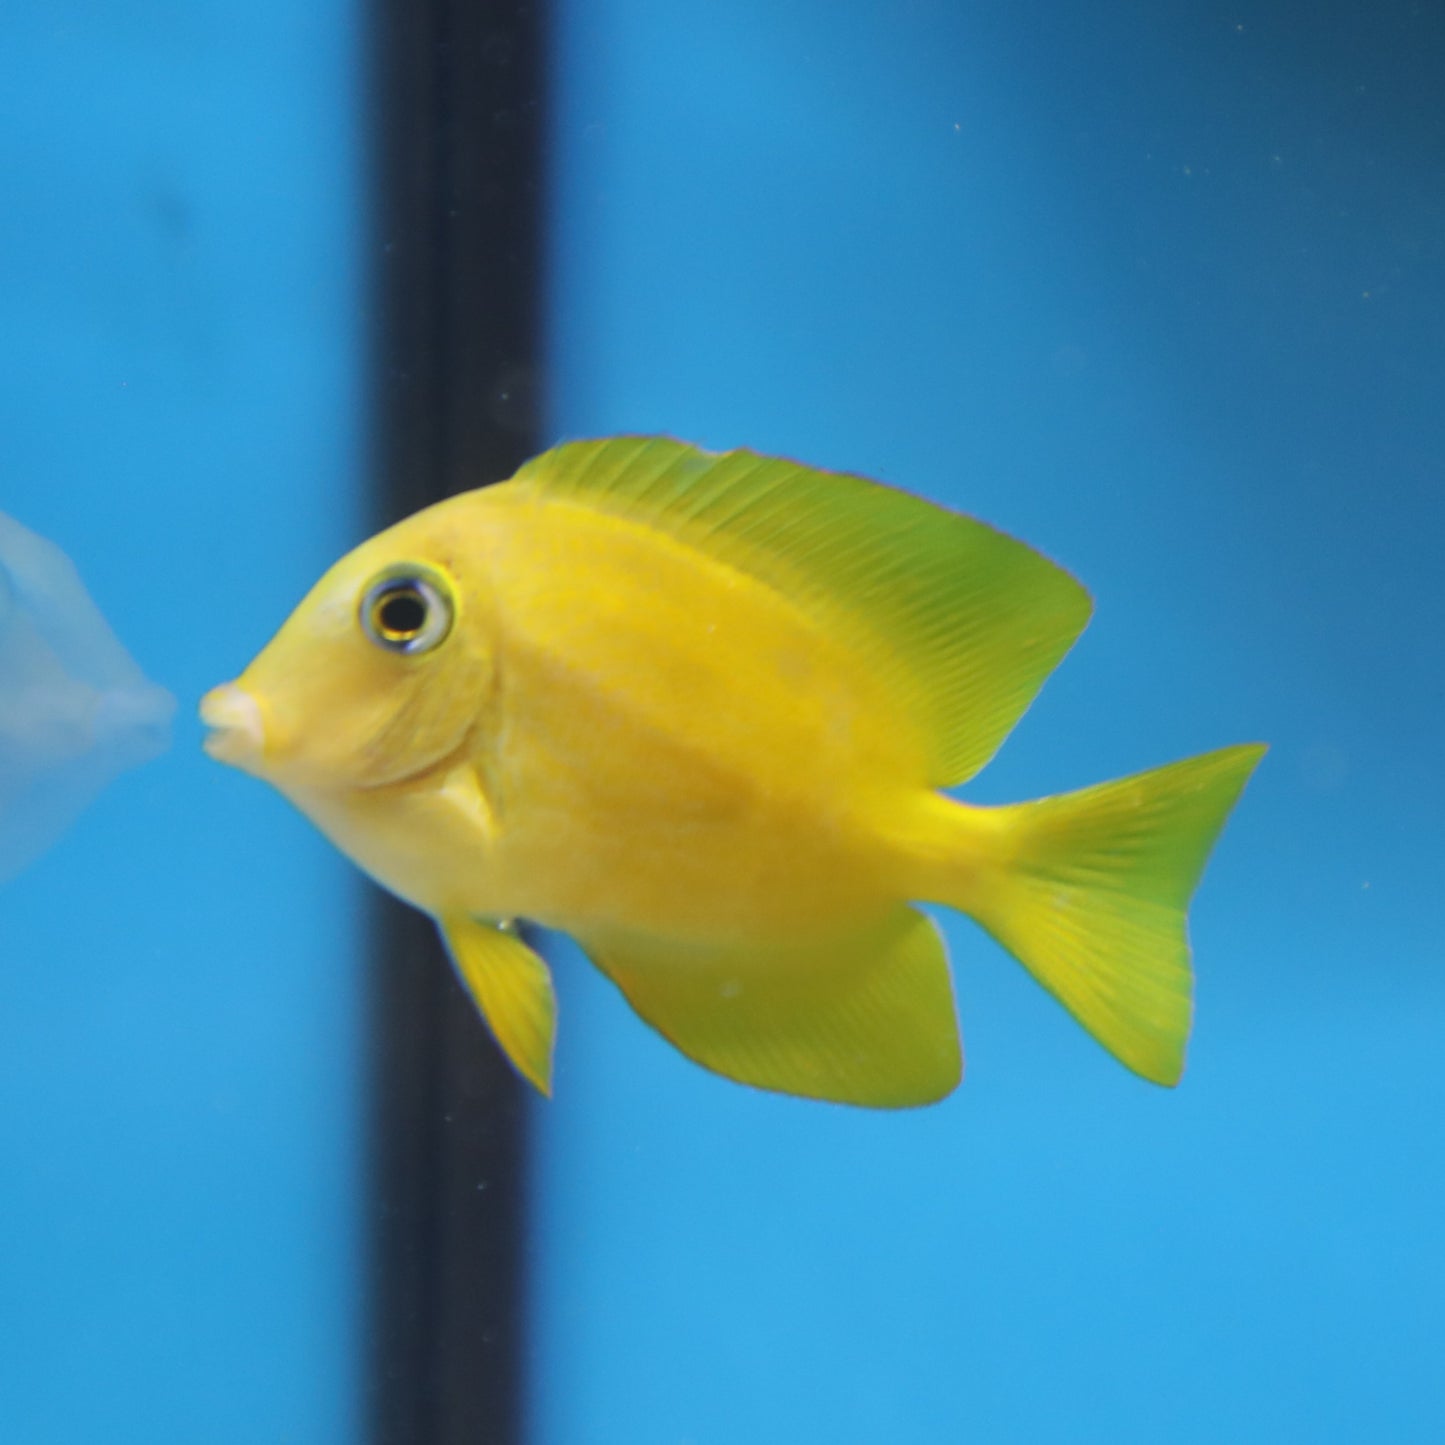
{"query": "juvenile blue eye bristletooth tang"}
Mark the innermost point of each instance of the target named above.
(697, 710)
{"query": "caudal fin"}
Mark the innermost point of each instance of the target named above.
(1090, 892)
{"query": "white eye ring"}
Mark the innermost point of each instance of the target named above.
(406, 612)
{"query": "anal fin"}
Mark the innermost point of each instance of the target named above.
(866, 1019)
(512, 987)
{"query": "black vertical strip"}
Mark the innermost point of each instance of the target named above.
(456, 154)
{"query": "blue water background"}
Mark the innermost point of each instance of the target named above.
(179, 978)
(1160, 289)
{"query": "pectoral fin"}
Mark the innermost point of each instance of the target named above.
(512, 987)
(866, 1019)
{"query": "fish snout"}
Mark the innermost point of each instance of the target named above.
(238, 732)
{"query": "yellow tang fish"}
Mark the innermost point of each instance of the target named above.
(695, 710)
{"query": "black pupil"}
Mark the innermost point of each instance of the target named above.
(402, 613)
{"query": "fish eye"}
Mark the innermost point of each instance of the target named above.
(406, 612)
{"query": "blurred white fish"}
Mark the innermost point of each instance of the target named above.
(75, 709)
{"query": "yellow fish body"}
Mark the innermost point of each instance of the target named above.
(695, 710)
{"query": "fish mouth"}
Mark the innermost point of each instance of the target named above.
(237, 732)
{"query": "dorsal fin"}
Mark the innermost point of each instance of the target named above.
(963, 622)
